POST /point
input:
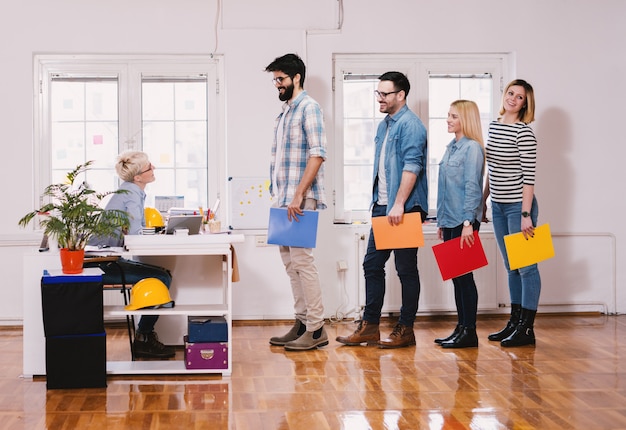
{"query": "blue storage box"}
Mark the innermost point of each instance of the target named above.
(207, 329)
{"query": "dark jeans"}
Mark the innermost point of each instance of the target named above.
(465, 292)
(374, 269)
(133, 272)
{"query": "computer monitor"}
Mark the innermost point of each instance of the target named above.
(189, 222)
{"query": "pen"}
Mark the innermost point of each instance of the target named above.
(215, 207)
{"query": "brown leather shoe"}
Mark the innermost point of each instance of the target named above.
(366, 332)
(400, 337)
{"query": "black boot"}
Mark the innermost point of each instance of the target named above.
(465, 339)
(524, 333)
(456, 331)
(516, 311)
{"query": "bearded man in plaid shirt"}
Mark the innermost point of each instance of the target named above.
(297, 183)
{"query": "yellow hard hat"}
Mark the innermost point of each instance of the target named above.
(153, 217)
(149, 292)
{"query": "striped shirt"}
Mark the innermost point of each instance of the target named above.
(303, 137)
(511, 154)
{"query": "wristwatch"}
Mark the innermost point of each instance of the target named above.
(525, 214)
(466, 223)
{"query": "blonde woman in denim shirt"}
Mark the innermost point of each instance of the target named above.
(459, 209)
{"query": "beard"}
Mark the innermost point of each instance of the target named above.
(283, 97)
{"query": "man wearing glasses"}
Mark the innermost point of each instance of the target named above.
(399, 187)
(297, 183)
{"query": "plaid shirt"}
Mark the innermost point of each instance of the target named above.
(303, 137)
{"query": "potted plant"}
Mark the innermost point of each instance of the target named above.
(74, 215)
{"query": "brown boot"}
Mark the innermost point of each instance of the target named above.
(366, 332)
(401, 336)
(294, 333)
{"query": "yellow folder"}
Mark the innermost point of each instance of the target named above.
(523, 252)
(407, 234)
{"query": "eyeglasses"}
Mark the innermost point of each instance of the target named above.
(382, 95)
(279, 79)
(147, 170)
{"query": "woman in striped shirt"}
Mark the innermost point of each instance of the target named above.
(511, 154)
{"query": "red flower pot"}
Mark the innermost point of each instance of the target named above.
(72, 261)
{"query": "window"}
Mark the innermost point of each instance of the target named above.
(436, 81)
(94, 107)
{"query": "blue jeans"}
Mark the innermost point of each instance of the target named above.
(133, 272)
(465, 291)
(374, 269)
(524, 283)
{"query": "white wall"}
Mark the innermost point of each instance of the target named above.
(570, 50)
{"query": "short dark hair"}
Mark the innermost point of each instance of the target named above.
(400, 81)
(290, 64)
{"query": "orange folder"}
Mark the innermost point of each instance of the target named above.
(407, 234)
(454, 261)
(523, 252)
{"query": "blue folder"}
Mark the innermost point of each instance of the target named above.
(301, 233)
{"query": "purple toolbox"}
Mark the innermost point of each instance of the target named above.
(206, 355)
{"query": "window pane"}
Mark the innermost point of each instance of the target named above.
(102, 144)
(357, 187)
(84, 115)
(175, 135)
(191, 102)
(101, 101)
(68, 145)
(359, 141)
(443, 90)
(158, 142)
(361, 116)
(67, 100)
(191, 145)
(157, 101)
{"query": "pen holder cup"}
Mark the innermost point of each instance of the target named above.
(215, 226)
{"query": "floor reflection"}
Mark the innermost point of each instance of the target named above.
(142, 404)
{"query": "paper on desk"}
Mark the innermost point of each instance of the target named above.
(95, 251)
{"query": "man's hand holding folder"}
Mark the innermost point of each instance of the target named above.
(406, 234)
(300, 232)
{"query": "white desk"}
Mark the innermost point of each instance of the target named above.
(202, 272)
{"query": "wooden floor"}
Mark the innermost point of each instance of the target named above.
(575, 378)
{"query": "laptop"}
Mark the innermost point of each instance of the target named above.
(181, 222)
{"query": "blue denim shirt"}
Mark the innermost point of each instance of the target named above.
(405, 151)
(460, 183)
(133, 203)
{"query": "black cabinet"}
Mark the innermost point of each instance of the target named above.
(74, 329)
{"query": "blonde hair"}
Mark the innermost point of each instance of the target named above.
(470, 120)
(527, 112)
(130, 164)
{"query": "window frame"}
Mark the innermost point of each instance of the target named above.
(129, 70)
(417, 68)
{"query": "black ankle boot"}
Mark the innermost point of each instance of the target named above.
(516, 311)
(456, 331)
(524, 333)
(465, 339)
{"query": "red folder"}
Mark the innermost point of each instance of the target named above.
(454, 261)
